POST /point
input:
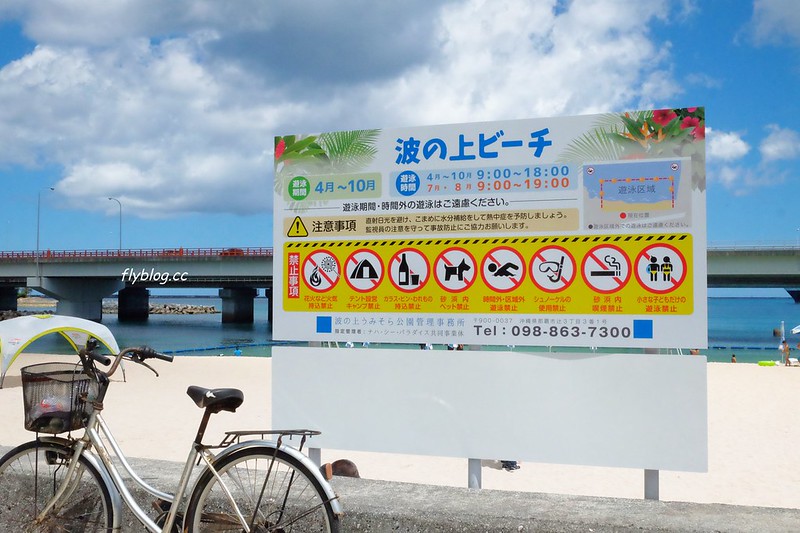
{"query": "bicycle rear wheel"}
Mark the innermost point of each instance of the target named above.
(31, 473)
(280, 496)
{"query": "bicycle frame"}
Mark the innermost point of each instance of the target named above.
(92, 445)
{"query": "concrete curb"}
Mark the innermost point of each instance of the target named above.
(380, 506)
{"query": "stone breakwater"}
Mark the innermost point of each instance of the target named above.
(5, 315)
(169, 309)
(38, 305)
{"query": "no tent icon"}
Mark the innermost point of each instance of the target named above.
(364, 270)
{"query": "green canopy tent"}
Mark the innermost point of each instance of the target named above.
(17, 334)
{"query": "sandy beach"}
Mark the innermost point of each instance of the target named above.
(754, 433)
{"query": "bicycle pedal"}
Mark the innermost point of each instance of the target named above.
(161, 519)
(162, 506)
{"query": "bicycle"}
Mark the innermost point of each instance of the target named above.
(56, 483)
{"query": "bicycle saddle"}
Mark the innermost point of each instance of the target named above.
(216, 400)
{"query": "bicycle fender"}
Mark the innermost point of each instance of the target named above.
(116, 499)
(302, 458)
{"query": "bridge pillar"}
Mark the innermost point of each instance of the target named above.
(268, 296)
(795, 294)
(8, 298)
(133, 304)
(80, 297)
(237, 305)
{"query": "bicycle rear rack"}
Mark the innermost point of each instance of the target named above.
(234, 437)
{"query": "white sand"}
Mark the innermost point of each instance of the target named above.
(754, 433)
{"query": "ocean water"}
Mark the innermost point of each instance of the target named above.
(744, 326)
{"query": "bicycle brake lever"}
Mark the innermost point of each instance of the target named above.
(136, 358)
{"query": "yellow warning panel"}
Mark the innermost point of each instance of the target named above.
(427, 223)
(297, 228)
(608, 274)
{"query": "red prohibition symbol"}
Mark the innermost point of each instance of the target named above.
(660, 268)
(409, 270)
(454, 270)
(363, 270)
(503, 269)
(321, 271)
(553, 268)
(606, 268)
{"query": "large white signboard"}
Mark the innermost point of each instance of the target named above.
(620, 410)
(570, 231)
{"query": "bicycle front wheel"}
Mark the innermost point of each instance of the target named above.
(30, 475)
(273, 492)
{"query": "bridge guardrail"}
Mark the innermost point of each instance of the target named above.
(44, 255)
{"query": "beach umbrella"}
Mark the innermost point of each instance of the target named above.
(16, 334)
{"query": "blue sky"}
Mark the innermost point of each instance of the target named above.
(171, 107)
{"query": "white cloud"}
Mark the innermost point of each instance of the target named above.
(172, 106)
(775, 20)
(725, 146)
(741, 180)
(781, 143)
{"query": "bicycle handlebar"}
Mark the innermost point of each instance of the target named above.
(102, 359)
(137, 354)
(146, 352)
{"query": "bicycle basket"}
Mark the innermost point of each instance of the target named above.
(51, 396)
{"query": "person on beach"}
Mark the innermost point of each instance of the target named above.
(786, 350)
(733, 358)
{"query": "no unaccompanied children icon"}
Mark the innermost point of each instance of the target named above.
(660, 268)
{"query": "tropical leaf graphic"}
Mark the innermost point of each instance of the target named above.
(644, 134)
(325, 154)
(350, 150)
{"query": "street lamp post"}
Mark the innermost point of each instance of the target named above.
(120, 221)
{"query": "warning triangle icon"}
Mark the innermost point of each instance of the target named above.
(297, 229)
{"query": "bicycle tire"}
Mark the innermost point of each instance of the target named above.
(29, 476)
(243, 473)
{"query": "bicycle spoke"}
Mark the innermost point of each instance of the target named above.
(275, 494)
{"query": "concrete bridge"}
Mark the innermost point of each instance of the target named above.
(760, 266)
(80, 279)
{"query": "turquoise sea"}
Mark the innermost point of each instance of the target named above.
(744, 326)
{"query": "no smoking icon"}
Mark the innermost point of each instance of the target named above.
(553, 268)
(503, 269)
(660, 268)
(606, 268)
(321, 271)
(455, 270)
